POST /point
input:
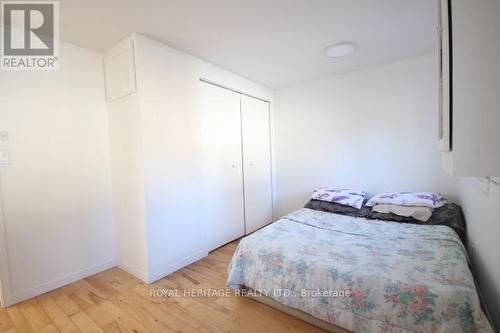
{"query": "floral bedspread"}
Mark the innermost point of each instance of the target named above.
(363, 275)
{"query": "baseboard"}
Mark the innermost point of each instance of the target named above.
(132, 271)
(155, 276)
(70, 278)
(60, 282)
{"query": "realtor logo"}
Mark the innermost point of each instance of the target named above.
(30, 35)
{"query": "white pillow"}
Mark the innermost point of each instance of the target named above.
(419, 213)
(344, 197)
(421, 199)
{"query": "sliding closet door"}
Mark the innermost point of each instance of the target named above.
(223, 206)
(256, 162)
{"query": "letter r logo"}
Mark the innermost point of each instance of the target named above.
(28, 29)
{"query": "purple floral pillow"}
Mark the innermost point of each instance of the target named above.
(344, 197)
(423, 199)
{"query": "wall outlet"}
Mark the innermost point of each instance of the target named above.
(4, 156)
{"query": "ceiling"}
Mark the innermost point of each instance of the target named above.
(273, 42)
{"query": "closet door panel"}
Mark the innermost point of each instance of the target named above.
(223, 206)
(256, 162)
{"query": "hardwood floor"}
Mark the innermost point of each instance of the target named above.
(115, 301)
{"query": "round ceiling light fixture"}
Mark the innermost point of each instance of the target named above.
(340, 50)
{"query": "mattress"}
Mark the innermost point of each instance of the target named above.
(362, 275)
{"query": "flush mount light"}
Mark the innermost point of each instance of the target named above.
(340, 49)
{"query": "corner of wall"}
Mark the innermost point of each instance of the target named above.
(181, 263)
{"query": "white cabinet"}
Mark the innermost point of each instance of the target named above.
(176, 148)
(256, 162)
(236, 149)
(475, 88)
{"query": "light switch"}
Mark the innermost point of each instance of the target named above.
(4, 156)
(4, 138)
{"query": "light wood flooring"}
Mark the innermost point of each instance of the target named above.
(115, 301)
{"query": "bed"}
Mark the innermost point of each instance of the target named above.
(361, 275)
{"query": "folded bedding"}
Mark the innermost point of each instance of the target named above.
(422, 199)
(419, 213)
(401, 277)
(449, 215)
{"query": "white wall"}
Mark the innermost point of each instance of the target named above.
(482, 212)
(56, 193)
(128, 184)
(372, 129)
